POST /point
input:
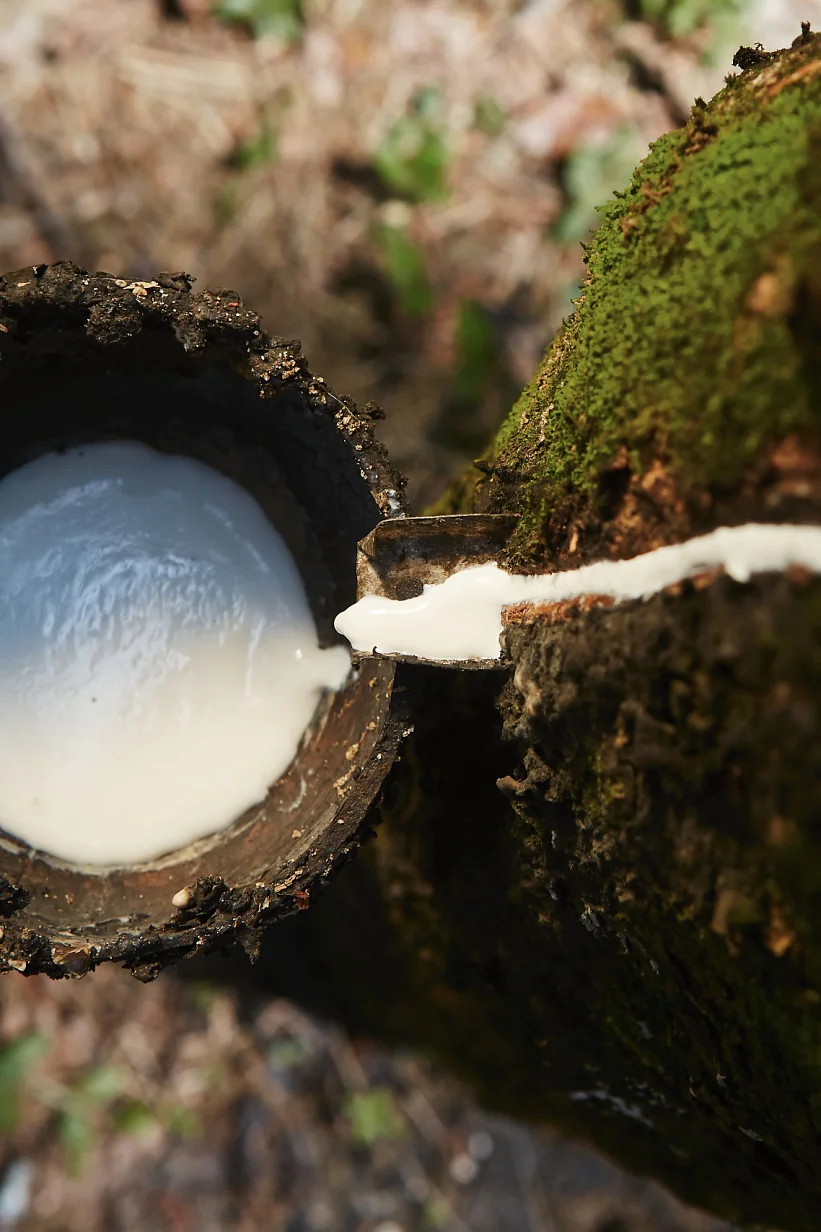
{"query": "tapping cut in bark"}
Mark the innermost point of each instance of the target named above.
(460, 619)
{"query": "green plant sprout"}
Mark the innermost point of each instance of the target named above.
(78, 1108)
(258, 149)
(17, 1059)
(489, 116)
(406, 270)
(477, 358)
(412, 158)
(374, 1116)
(591, 174)
(279, 19)
(682, 17)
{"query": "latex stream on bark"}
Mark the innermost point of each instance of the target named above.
(460, 619)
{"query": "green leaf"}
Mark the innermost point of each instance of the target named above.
(260, 148)
(202, 995)
(280, 19)
(591, 173)
(489, 116)
(406, 270)
(437, 1214)
(286, 1054)
(374, 1116)
(99, 1085)
(134, 1117)
(476, 351)
(16, 1059)
(181, 1121)
(77, 1135)
(682, 17)
(412, 158)
(225, 203)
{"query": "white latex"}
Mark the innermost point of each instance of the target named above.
(461, 618)
(158, 657)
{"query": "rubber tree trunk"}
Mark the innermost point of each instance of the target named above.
(624, 938)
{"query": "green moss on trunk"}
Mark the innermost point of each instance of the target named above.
(694, 346)
(625, 939)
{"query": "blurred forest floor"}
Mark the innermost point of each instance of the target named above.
(404, 185)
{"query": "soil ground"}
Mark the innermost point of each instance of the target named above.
(183, 1107)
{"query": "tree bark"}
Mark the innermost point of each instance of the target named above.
(624, 938)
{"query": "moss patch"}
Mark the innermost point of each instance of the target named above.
(692, 342)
